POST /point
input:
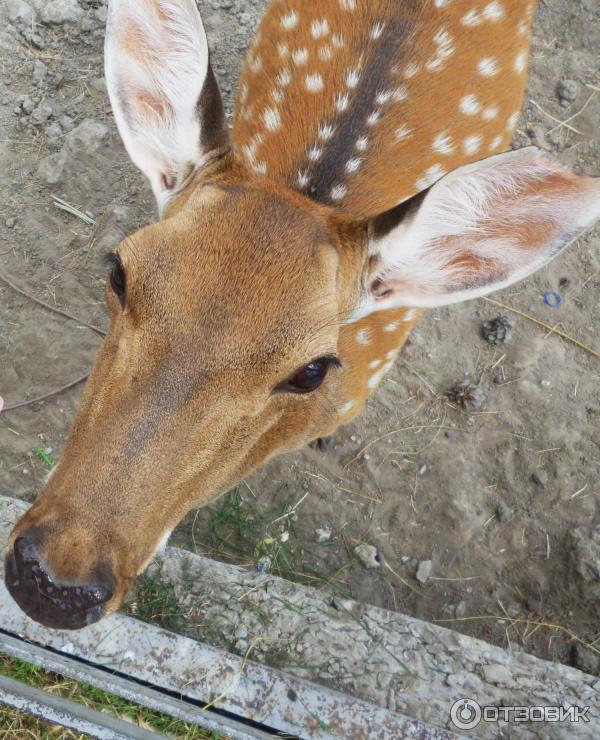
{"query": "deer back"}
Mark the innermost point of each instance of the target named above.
(360, 105)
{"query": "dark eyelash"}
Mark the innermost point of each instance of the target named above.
(117, 278)
(334, 361)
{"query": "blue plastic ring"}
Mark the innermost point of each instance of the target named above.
(552, 299)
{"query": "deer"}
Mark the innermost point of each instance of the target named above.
(368, 176)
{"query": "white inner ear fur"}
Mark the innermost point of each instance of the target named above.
(156, 62)
(473, 213)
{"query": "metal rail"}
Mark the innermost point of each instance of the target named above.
(49, 707)
(68, 713)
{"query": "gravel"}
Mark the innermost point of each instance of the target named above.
(368, 556)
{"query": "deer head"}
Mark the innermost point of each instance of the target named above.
(264, 307)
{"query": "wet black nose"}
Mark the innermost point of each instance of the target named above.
(53, 604)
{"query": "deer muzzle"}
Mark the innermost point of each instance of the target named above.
(45, 598)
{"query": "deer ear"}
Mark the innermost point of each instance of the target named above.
(477, 230)
(162, 89)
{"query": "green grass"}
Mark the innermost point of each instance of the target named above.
(237, 530)
(154, 601)
(18, 725)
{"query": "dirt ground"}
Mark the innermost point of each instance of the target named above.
(503, 501)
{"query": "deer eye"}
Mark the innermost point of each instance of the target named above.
(118, 282)
(310, 377)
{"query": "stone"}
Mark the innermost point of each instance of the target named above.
(52, 167)
(19, 10)
(39, 71)
(41, 114)
(497, 674)
(90, 136)
(10, 222)
(60, 11)
(53, 131)
(27, 105)
(461, 609)
(567, 90)
(322, 535)
(424, 571)
(368, 556)
(66, 122)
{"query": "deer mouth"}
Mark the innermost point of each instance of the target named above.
(46, 599)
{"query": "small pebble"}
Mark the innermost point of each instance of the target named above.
(41, 114)
(460, 609)
(567, 90)
(53, 131)
(39, 71)
(424, 570)
(10, 222)
(367, 554)
(27, 105)
(322, 535)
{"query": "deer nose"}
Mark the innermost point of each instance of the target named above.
(43, 598)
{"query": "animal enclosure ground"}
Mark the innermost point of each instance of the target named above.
(497, 508)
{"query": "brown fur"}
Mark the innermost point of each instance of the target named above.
(390, 169)
(245, 280)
